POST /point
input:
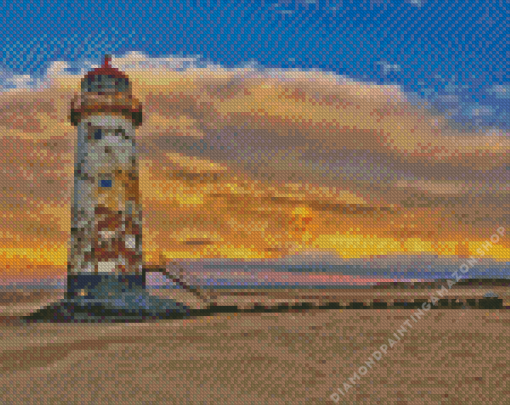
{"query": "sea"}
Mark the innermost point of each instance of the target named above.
(250, 275)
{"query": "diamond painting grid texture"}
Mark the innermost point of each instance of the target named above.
(359, 147)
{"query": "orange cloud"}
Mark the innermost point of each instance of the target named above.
(232, 164)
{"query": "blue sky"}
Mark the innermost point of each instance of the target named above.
(452, 53)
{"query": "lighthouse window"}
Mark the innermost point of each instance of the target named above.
(119, 132)
(105, 183)
(101, 83)
(98, 134)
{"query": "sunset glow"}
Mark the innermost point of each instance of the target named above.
(262, 168)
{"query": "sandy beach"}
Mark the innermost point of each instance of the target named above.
(450, 356)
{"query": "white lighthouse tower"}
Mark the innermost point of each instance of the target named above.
(106, 233)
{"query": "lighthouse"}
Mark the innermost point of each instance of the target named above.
(106, 231)
(105, 275)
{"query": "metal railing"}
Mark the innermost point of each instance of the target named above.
(89, 103)
(176, 279)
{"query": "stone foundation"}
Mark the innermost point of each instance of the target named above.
(90, 286)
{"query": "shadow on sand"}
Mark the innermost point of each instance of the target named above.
(70, 312)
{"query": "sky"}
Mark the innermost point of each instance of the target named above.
(371, 129)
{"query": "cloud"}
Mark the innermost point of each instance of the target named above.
(139, 61)
(253, 162)
(57, 68)
(387, 67)
(11, 81)
(417, 3)
(501, 91)
(478, 111)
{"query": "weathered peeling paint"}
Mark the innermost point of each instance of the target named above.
(106, 233)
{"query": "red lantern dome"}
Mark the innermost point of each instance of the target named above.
(106, 70)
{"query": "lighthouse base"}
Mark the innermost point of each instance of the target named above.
(109, 298)
(102, 285)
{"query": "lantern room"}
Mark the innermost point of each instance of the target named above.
(105, 90)
(105, 79)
